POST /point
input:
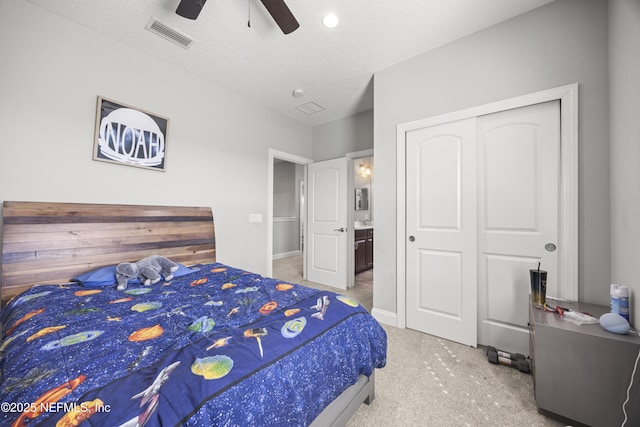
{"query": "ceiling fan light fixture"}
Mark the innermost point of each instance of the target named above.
(330, 21)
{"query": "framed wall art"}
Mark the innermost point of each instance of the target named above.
(130, 136)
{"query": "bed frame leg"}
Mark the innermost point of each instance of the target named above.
(372, 390)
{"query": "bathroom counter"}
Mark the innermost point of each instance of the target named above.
(363, 227)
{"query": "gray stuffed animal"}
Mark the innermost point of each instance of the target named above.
(149, 270)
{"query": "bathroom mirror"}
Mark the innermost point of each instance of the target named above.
(362, 199)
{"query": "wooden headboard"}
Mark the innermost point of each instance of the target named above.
(53, 242)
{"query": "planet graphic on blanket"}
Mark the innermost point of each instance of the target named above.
(350, 302)
(24, 318)
(82, 311)
(198, 282)
(78, 338)
(39, 406)
(45, 331)
(146, 306)
(203, 324)
(80, 413)
(247, 290)
(138, 291)
(30, 297)
(228, 286)
(218, 270)
(293, 327)
(87, 292)
(119, 300)
(145, 334)
(268, 307)
(291, 312)
(283, 286)
(212, 368)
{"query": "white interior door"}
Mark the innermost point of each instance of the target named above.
(327, 222)
(519, 172)
(441, 247)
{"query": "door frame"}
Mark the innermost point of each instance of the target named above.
(272, 155)
(568, 192)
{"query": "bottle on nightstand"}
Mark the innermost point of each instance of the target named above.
(620, 300)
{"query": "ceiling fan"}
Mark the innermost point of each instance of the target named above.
(277, 8)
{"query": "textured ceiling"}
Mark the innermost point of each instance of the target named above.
(334, 67)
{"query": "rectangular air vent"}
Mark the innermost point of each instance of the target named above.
(169, 33)
(310, 108)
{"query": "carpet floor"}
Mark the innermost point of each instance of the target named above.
(430, 381)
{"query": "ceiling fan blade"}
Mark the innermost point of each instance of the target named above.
(281, 14)
(190, 9)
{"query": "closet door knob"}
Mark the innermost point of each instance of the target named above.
(412, 239)
(550, 247)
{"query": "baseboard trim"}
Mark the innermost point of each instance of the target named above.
(385, 317)
(286, 254)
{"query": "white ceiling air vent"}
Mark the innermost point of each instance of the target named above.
(169, 33)
(310, 108)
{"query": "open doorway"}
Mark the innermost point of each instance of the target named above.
(362, 195)
(285, 213)
(288, 219)
(290, 265)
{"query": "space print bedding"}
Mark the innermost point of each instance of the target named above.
(217, 346)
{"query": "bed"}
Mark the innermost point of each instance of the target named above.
(215, 345)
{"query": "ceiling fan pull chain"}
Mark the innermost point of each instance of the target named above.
(249, 20)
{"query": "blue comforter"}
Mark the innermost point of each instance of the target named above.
(219, 346)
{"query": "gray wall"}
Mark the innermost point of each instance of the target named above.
(624, 101)
(561, 43)
(217, 145)
(339, 137)
(284, 189)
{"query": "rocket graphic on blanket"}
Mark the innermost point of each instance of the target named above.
(321, 306)
(150, 397)
(256, 333)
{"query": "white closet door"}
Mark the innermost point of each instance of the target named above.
(482, 210)
(441, 242)
(518, 170)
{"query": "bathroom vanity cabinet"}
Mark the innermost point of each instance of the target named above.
(364, 249)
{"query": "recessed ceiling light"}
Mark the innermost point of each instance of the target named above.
(330, 21)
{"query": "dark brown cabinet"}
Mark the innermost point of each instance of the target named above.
(363, 249)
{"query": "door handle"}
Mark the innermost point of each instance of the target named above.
(341, 229)
(550, 247)
(412, 239)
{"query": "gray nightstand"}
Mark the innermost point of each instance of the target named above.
(581, 372)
